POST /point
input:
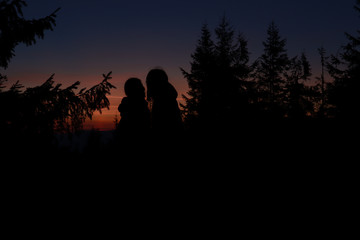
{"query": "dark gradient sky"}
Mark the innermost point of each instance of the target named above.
(93, 37)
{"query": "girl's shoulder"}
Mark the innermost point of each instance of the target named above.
(124, 104)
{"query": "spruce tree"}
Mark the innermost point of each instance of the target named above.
(14, 29)
(30, 117)
(232, 70)
(217, 72)
(321, 85)
(297, 96)
(345, 69)
(270, 71)
(227, 84)
(201, 80)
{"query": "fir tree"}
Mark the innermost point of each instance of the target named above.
(30, 117)
(227, 84)
(270, 70)
(201, 80)
(345, 69)
(14, 29)
(215, 80)
(297, 93)
(321, 85)
(33, 116)
(232, 70)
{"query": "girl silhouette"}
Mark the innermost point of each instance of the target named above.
(134, 112)
(165, 112)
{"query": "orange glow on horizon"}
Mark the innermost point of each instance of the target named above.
(99, 124)
(105, 120)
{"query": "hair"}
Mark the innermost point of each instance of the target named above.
(156, 81)
(158, 75)
(134, 87)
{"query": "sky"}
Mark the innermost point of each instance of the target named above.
(93, 37)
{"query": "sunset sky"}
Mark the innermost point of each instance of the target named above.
(129, 38)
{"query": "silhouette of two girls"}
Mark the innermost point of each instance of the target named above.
(157, 115)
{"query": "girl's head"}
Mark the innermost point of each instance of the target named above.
(156, 82)
(134, 88)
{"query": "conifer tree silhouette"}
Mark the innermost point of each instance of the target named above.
(297, 93)
(201, 80)
(217, 73)
(30, 117)
(232, 57)
(321, 85)
(270, 71)
(14, 29)
(345, 69)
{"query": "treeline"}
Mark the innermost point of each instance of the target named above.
(29, 118)
(229, 91)
(226, 91)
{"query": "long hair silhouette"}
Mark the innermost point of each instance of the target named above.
(134, 112)
(165, 112)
